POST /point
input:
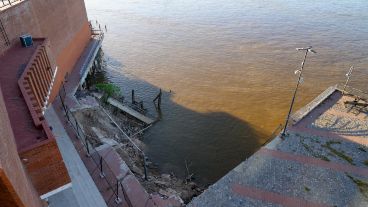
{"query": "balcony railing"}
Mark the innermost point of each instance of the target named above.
(8, 3)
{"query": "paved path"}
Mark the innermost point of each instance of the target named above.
(63, 199)
(84, 189)
(323, 161)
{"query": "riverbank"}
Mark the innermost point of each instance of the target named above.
(98, 122)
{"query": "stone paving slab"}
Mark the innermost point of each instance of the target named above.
(137, 196)
(291, 180)
(63, 199)
(328, 149)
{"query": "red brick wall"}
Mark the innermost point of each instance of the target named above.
(63, 22)
(45, 167)
(69, 56)
(15, 187)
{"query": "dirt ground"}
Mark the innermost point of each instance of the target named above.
(102, 130)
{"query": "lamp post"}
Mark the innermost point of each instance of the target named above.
(300, 79)
(347, 78)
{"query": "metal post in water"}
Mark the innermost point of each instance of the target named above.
(133, 97)
(300, 78)
(159, 100)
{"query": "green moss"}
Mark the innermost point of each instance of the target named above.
(310, 150)
(333, 142)
(363, 186)
(362, 149)
(322, 157)
(366, 162)
(108, 90)
(338, 153)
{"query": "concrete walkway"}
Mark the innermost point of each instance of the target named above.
(323, 161)
(83, 187)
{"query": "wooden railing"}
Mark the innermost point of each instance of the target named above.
(4, 3)
(35, 83)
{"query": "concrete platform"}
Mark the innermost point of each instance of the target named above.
(323, 161)
(126, 109)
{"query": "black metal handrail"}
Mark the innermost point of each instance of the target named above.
(91, 152)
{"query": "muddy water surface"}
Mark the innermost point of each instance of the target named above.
(229, 66)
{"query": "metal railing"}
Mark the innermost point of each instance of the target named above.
(353, 91)
(99, 36)
(89, 154)
(131, 141)
(5, 3)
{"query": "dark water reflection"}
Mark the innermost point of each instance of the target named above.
(230, 66)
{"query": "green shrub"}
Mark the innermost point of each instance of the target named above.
(109, 90)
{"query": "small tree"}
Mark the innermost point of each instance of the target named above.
(109, 90)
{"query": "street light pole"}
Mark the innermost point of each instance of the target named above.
(347, 78)
(300, 78)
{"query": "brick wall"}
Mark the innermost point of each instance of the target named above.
(63, 22)
(15, 186)
(36, 80)
(42, 160)
(45, 166)
(70, 55)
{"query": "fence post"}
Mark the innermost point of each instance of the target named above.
(67, 114)
(117, 199)
(87, 146)
(101, 169)
(64, 89)
(145, 167)
(77, 127)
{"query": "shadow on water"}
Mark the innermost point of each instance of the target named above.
(211, 143)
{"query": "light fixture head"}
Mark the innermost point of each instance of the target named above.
(309, 49)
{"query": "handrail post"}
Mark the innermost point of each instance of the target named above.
(145, 166)
(117, 199)
(102, 175)
(77, 127)
(67, 114)
(87, 146)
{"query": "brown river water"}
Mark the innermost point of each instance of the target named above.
(229, 66)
